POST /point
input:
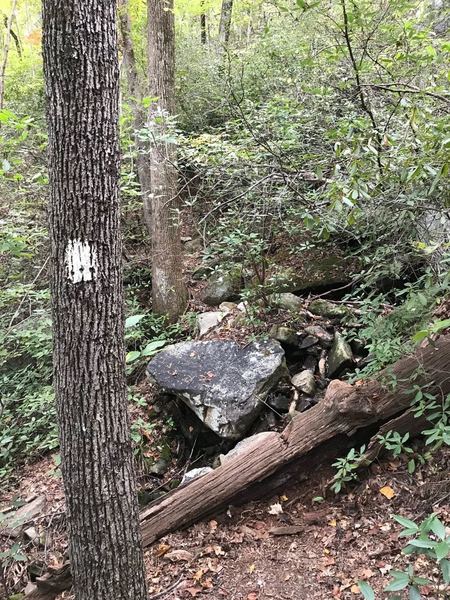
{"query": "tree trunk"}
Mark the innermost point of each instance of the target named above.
(225, 22)
(82, 85)
(301, 446)
(4, 62)
(168, 288)
(139, 112)
(203, 36)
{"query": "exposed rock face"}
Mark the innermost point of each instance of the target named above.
(340, 357)
(318, 273)
(225, 385)
(223, 286)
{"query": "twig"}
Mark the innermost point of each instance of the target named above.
(167, 590)
(10, 326)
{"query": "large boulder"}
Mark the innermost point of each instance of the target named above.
(224, 384)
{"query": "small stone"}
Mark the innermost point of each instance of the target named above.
(195, 474)
(305, 382)
(32, 534)
(325, 338)
(208, 320)
(308, 342)
(284, 335)
(287, 301)
(228, 307)
(329, 310)
(340, 356)
(159, 467)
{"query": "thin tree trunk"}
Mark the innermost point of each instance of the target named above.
(139, 112)
(82, 85)
(225, 22)
(168, 288)
(5, 53)
(203, 36)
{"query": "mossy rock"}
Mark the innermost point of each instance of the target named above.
(223, 286)
(329, 310)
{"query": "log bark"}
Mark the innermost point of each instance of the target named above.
(344, 410)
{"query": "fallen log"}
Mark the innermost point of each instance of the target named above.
(343, 411)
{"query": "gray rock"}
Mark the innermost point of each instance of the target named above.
(329, 310)
(208, 320)
(223, 384)
(308, 342)
(284, 335)
(159, 467)
(228, 307)
(223, 286)
(15, 521)
(305, 382)
(287, 301)
(340, 356)
(195, 474)
(241, 446)
(325, 338)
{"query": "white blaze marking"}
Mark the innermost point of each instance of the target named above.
(81, 261)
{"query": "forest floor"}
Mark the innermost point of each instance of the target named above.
(313, 549)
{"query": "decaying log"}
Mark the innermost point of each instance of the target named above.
(345, 409)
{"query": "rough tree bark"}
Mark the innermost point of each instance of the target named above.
(168, 288)
(345, 410)
(135, 89)
(225, 22)
(82, 85)
(7, 43)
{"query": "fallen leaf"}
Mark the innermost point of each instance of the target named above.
(284, 498)
(355, 589)
(193, 591)
(213, 526)
(332, 523)
(275, 509)
(251, 568)
(387, 492)
(162, 549)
